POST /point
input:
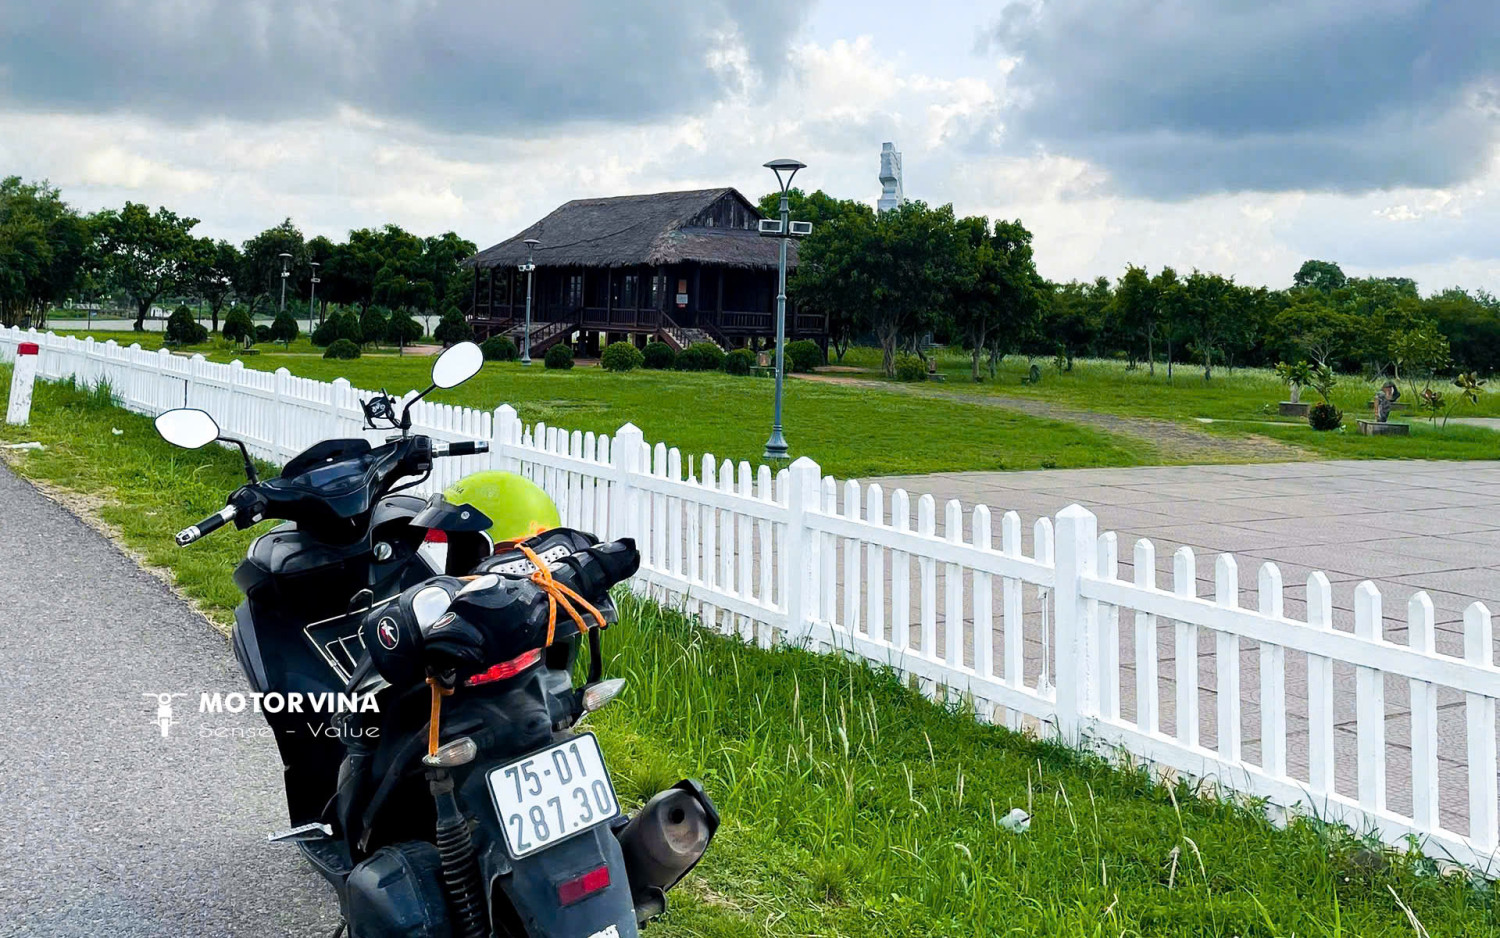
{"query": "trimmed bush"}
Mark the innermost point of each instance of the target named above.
(239, 327)
(262, 333)
(341, 325)
(1325, 416)
(183, 329)
(805, 355)
(403, 329)
(739, 361)
(659, 355)
(499, 348)
(700, 356)
(342, 348)
(284, 329)
(559, 356)
(621, 356)
(910, 367)
(453, 328)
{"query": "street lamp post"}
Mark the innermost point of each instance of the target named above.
(312, 294)
(285, 273)
(776, 446)
(528, 268)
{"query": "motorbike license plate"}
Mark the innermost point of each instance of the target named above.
(553, 794)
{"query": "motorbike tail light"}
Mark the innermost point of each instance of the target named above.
(436, 537)
(506, 669)
(582, 887)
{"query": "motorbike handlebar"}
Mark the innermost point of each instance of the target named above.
(207, 526)
(466, 448)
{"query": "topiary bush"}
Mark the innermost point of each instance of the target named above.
(1325, 416)
(183, 329)
(659, 355)
(739, 362)
(239, 327)
(453, 328)
(559, 356)
(499, 348)
(621, 356)
(341, 325)
(910, 367)
(262, 333)
(284, 329)
(700, 356)
(342, 348)
(804, 355)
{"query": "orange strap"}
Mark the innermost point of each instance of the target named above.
(438, 693)
(558, 594)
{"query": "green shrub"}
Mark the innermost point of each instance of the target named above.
(341, 325)
(804, 355)
(284, 329)
(342, 348)
(239, 327)
(183, 329)
(700, 356)
(262, 333)
(910, 367)
(403, 329)
(660, 355)
(1325, 416)
(621, 356)
(453, 328)
(739, 361)
(499, 348)
(373, 323)
(559, 356)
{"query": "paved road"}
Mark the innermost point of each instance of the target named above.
(106, 828)
(1406, 526)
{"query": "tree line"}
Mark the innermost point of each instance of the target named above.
(51, 254)
(917, 273)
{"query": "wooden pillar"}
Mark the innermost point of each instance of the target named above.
(719, 302)
(609, 295)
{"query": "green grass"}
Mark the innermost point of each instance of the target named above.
(851, 805)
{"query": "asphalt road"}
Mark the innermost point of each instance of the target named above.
(106, 827)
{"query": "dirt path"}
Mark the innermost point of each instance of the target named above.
(1174, 442)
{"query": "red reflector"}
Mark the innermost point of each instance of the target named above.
(436, 537)
(584, 886)
(506, 669)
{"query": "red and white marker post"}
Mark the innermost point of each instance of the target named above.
(24, 376)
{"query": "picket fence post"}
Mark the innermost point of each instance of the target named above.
(804, 487)
(505, 434)
(626, 458)
(1075, 557)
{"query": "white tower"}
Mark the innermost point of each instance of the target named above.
(890, 178)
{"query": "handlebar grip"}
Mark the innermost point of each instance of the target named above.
(207, 526)
(466, 448)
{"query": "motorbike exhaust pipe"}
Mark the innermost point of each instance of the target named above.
(664, 841)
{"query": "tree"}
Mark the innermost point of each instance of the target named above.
(260, 270)
(1210, 304)
(453, 328)
(239, 326)
(183, 329)
(1471, 322)
(284, 329)
(828, 281)
(1166, 289)
(215, 265)
(1323, 276)
(146, 254)
(403, 329)
(1135, 308)
(45, 248)
(912, 264)
(372, 323)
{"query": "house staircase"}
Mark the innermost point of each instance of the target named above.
(544, 335)
(680, 337)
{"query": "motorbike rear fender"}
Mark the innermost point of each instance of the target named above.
(523, 893)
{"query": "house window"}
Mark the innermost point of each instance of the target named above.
(629, 290)
(658, 286)
(572, 291)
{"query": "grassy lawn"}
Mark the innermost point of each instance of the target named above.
(852, 806)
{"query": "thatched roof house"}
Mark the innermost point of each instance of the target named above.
(684, 266)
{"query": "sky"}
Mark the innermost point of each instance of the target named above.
(1238, 136)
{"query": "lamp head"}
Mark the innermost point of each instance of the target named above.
(785, 169)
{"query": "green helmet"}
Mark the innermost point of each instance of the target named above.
(517, 506)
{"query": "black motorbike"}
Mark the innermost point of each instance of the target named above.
(433, 771)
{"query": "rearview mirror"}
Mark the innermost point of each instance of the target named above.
(187, 427)
(457, 365)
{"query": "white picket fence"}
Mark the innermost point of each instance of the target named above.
(1051, 637)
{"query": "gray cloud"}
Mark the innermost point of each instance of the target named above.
(485, 66)
(1179, 98)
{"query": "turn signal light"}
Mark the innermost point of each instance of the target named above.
(575, 890)
(506, 669)
(597, 695)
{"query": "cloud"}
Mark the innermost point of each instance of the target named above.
(480, 67)
(1180, 98)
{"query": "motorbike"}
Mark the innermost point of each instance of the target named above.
(436, 801)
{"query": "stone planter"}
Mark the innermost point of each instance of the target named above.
(1300, 409)
(1376, 428)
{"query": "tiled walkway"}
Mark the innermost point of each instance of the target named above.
(1406, 526)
